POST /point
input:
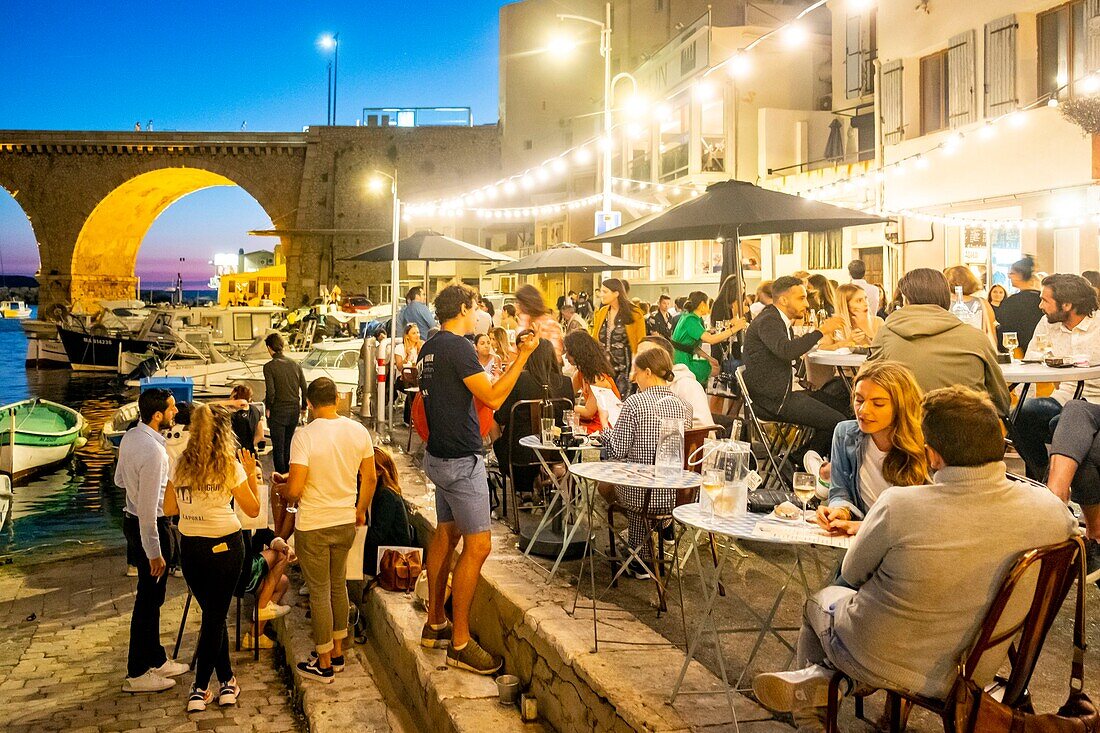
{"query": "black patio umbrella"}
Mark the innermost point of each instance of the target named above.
(428, 246)
(730, 210)
(834, 146)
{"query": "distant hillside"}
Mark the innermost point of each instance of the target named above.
(17, 281)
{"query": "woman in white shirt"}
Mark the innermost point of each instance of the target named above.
(406, 354)
(882, 447)
(206, 478)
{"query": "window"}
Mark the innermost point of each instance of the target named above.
(669, 259)
(713, 138)
(859, 54)
(708, 258)
(893, 126)
(1062, 47)
(640, 169)
(675, 134)
(1000, 66)
(786, 244)
(638, 253)
(824, 250)
(934, 104)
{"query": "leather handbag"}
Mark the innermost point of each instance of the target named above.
(976, 711)
(398, 570)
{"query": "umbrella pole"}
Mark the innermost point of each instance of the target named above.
(427, 269)
(740, 272)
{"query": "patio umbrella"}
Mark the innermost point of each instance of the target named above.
(428, 246)
(565, 258)
(834, 146)
(730, 210)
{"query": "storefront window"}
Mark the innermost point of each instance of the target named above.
(713, 137)
(637, 253)
(675, 134)
(640, 167)
(708, 258)
(669, 259)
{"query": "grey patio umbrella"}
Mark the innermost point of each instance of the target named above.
(730, 210)
(834, 146)
(565, 258)
(428, 246)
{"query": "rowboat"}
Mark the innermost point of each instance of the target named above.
(37, 435)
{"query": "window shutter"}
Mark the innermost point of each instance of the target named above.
(892, 125)
(1000, 66)
(960, 80)
(1092, 35)
(853, 57)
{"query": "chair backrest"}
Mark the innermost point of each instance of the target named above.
(1026, 605)
(532, 419)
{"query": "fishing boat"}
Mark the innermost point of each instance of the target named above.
(37, 435)
(14, 309)
(124, 418)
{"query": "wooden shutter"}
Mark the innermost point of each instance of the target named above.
(1000, 66)
(960, 80)
(853, 57)
(1092, 37)
(893, 127)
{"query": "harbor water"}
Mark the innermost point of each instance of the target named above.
(76, 509)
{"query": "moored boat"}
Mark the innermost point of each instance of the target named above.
(14, 309)
(37, 435)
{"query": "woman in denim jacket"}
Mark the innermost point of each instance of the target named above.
(882, 447)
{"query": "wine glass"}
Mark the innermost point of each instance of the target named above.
(1044, 344)
(1011, 342)
(713, 481)
(805, 486)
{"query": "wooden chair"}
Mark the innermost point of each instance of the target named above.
(1023, 610)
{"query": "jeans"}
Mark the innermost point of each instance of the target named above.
(323, 557)
(146, 651)
(282, 431)
(1078, 437)
(1033, 429)
(212, 566)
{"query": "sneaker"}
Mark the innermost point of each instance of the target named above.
(171, 668)
(1092, 561)
(273, 610)
(433, 639)
(337, 662)
(176, 572)
(199, 699)
(637, 571)
(265, 641)
(813, 462)
(784, 692)
(311, 671)
(131, 571)
(473, 658)
(229, 693)
(148, 682)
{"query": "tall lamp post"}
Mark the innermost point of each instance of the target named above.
(378, 185)
(331, 42)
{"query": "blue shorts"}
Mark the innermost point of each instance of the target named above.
(461, 492)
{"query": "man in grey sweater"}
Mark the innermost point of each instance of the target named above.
(925, 567)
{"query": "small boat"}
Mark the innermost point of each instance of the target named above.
(124, 418)
(7, 499)
(15, 309)
(37, 435)
(337, 359)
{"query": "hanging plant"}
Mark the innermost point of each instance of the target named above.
(1083, 112)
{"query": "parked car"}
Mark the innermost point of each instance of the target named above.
(356, 303)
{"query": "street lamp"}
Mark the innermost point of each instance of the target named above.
(331, 42)
(377, 184)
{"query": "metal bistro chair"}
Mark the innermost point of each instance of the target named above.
(410, 378)
(1023, 610)
(512, 438)
(780, 439)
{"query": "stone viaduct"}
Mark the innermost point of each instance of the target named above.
(91, 196)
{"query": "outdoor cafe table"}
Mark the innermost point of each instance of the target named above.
(624, 474)
(557, 531)
(797, 535)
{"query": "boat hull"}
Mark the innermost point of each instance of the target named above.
(44, 435)
(46, 352)
(31, 461)
(90, 352)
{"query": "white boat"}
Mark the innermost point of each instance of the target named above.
(7, 499)
(14, 309)
(36, 435)
(124, 418)
(337, 359)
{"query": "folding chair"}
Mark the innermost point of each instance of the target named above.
(780, 439)
(1023, 610)
(512, 435)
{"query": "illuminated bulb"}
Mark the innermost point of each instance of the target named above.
(704, 91)
(952, 143)
(490, 192)
(528, 181)
(1052, 102)
(636, 131)
(676, 191)
(542, 175)
(635, 105)
(1090, 84)
(739, 65)
(509, 187)
(604, 143)
(695, 194)
(558, 165)
(1016, 119)
(662, 112)
(921, 162)
(582, 156)
(561, 45)
(407, 217)
(794, 35)
(987, 131)
(859, 6)
(660, 188)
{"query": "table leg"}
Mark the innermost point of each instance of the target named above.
(1019, 403)
(549, 513)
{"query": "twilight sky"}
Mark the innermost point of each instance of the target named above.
(204, 65)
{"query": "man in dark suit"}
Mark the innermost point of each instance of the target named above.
(770, 351)
(660, 322)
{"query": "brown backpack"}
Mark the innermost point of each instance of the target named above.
(398, 570)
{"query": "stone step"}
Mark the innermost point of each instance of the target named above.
(625, 686)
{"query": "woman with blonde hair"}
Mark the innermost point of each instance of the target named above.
(860, 325)
(961, 276)
(206, 478)
(502, 347)
(882, 447)
(535, 316)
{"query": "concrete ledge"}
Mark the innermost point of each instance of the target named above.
(520, 616)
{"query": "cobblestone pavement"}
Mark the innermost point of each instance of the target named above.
(64, 628)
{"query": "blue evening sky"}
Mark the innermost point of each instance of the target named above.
(204, 65)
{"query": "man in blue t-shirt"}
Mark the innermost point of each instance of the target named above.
(450, 378)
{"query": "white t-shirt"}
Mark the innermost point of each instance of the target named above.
(687, 387)
(871, 481)
(332, 450)
(207, 513)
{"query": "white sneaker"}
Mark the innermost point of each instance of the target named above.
(797, 690)
(812, 462)
(171, 668)
(273, 610)
(148, 682)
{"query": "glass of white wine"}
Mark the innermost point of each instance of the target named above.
(805, 486)
(713, 481)
(1011, 342)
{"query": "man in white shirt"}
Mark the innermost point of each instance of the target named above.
(1069, 330)
(142, 470)
(325, 458)
(857, 270)
(483, 322)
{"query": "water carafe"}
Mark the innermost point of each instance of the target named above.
(669, 457)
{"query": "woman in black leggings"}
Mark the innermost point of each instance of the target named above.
(207, 476)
